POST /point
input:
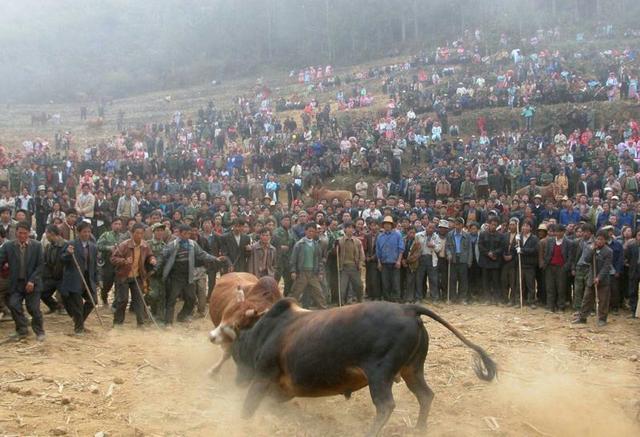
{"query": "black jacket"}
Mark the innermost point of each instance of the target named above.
(10, 252)
(236, 254)
(529, 251)
(490, 242)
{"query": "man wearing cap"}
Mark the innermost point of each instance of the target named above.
(389, 250)
(581, 263)
(157, 296)
(106, 245)
(558, 262)
(597, 292)
(460, 256)
(491, 247)
(430, 244)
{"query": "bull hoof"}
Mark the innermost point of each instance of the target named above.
(347, 395)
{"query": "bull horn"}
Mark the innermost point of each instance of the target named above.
(240, 294)
(250, 312)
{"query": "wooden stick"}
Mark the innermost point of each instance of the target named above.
(537, 430)
(88, 290)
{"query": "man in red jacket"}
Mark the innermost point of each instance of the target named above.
(130, 259)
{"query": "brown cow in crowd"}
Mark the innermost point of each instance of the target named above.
(320, 193)
(548, 192)
(238, 300)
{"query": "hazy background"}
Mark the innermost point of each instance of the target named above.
(73, 50)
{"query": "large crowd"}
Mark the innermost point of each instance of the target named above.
(154, 214)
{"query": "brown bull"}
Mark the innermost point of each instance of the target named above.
(320, 193)
(238, 300)
(548, 192)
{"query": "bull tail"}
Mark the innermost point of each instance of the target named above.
(484, 367)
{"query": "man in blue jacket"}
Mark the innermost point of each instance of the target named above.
(389, 250)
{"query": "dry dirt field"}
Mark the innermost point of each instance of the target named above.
(554, 380)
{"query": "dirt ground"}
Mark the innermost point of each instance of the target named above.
(554, 380)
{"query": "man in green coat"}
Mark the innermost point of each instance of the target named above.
(106, 244)
(157, 294)
(283, 240)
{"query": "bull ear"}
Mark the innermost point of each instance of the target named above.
(250, 312)
(240, 294)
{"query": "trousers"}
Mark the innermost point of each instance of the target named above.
(179, 286)
(78, 306)
(350, 276)
(426, 271)
(124, 288)
(390, 282)
(556, 277)
(308, 282)
(32, 301)
(603, 293)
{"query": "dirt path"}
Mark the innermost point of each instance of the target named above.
(554, 380)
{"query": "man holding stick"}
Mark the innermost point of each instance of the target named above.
(598, 289)
(79, 277)
(130, 258)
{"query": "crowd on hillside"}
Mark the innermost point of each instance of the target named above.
(549, 216)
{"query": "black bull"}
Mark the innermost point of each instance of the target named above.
(292, 352)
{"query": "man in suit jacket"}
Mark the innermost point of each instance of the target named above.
(528, 251)
(235, 246)
(558, 262)
(25, 260)
(75, 296)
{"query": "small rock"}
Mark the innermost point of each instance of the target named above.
(13, 389)
(59, 431)
(101, 434)
(138, 433)
(467, 384)
(118, 380)
(71, 407)
(65, 400)
(28, 377)
(633, 358)
(47, 379)
(26, 392)
(94, 389)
